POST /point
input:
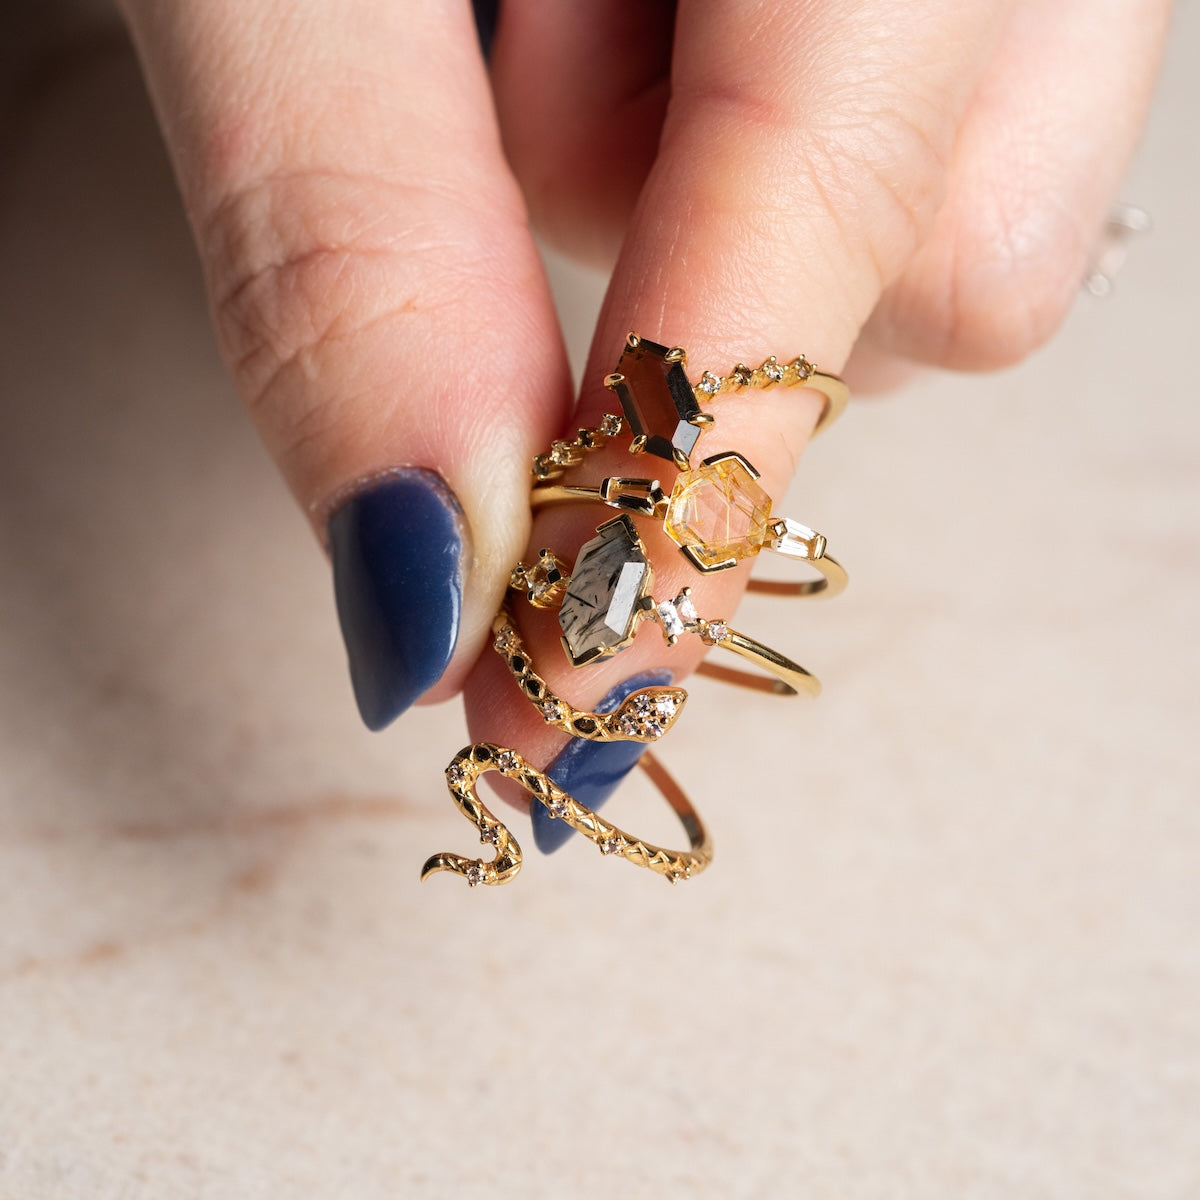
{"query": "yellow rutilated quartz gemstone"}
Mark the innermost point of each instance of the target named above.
(718, 513)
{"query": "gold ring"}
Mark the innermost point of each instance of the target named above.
(602, 602)
(643, 716)
(717, 514)
(663, 409)
(472, 761)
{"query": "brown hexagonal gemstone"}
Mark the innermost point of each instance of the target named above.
(658, 401)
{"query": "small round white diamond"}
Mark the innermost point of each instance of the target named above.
(772, 370)
(506, 760)
(628, 725)
(558, 807)
(610, 845)
(552, 710)
(710, 384)
(476, 875)
(490, 835)
(455, 774)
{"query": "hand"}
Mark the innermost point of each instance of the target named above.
(923, 181)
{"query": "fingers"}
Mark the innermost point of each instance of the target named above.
(1042, 151)
(801, 163)
(581, 90)
(378, 298)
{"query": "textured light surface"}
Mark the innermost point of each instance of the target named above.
(978, 977)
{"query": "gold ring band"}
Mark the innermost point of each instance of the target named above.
(663, 410)
(643, 716)
(788, 678)
(657, 373)
(700, 513)
(797, 373)
(603, 601)
(473, 761)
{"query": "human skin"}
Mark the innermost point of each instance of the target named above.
(873, 184)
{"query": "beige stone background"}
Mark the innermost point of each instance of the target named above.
(950, 946)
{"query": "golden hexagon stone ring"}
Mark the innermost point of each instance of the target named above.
(717, 514)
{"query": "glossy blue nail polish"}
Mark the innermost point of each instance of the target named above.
(397, 577)
(592, 771)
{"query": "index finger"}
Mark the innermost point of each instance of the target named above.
(801, 158)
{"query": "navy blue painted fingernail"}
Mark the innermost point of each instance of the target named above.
(592, 771)
(397, 577)
(486, 14)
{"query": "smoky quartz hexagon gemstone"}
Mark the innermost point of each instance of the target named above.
(658, 401)
(599, 612)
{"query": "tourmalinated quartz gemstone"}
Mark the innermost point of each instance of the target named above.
(658, 401)
(601, 606)
(718, 513)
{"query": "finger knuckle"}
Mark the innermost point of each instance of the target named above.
(872, 160)
(288, 258)
(1014, 276)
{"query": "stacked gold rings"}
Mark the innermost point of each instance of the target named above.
(718, 515)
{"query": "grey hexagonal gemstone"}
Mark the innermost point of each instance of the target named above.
(611, 576)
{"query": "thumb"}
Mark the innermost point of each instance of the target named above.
(378, 298)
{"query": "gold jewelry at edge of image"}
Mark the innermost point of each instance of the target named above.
(473, 761)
